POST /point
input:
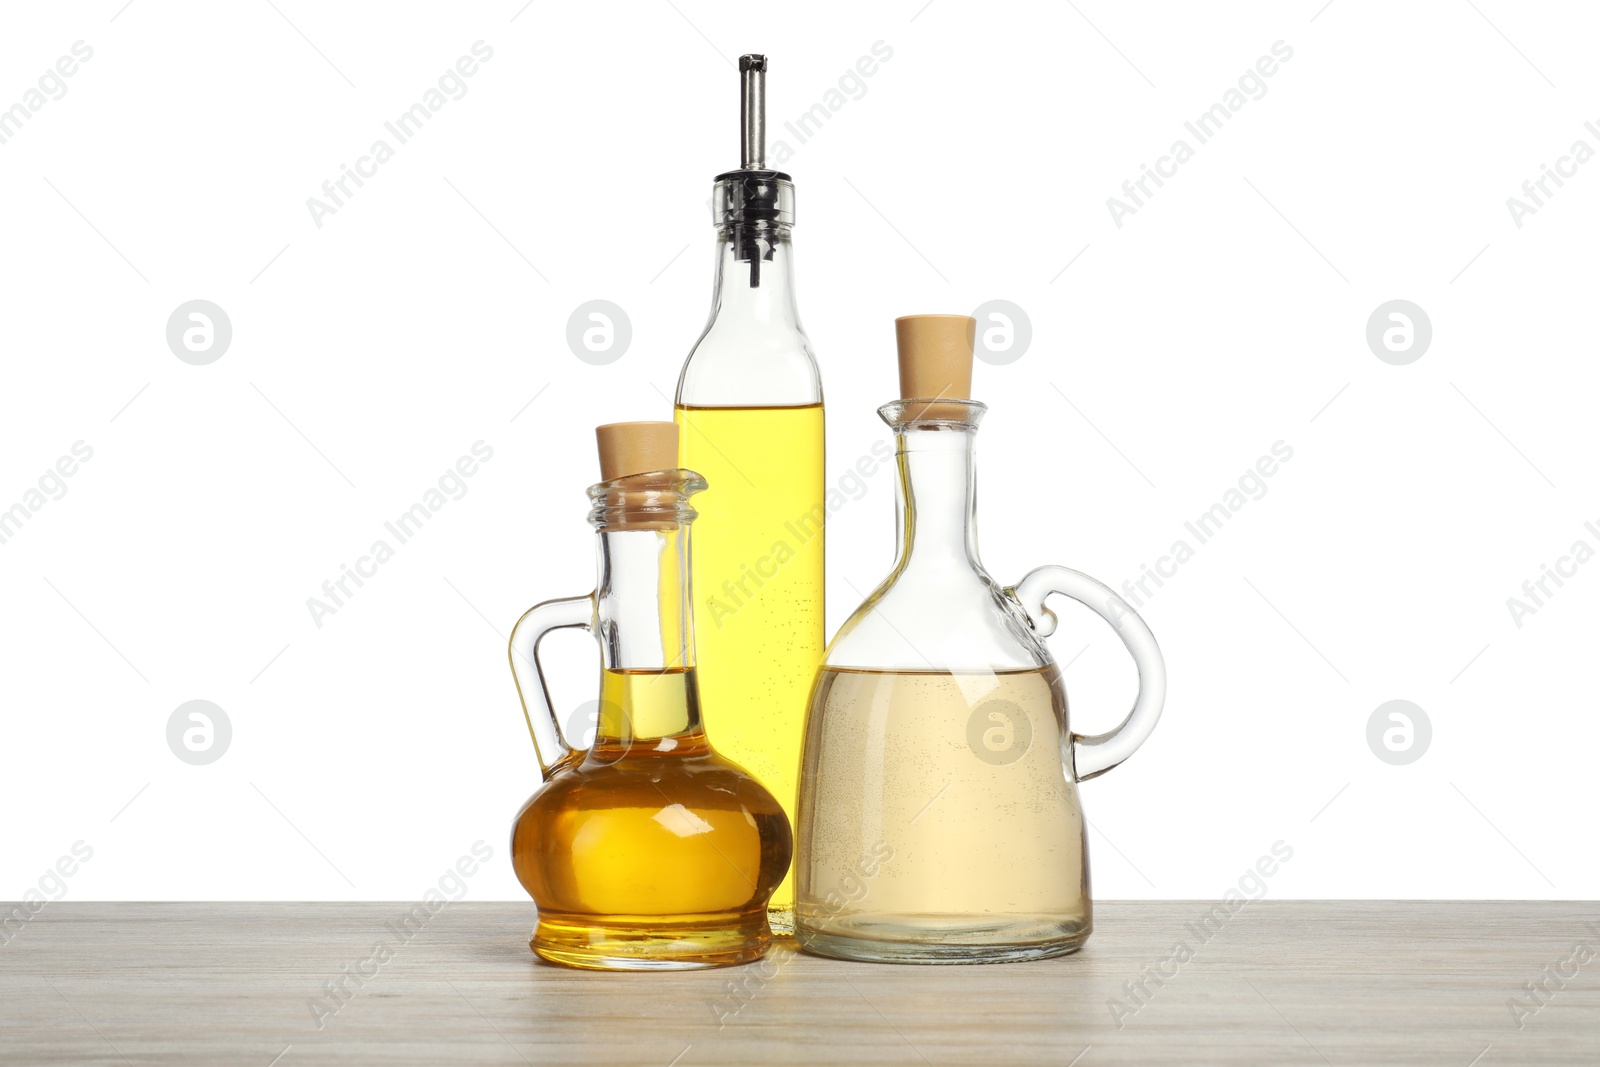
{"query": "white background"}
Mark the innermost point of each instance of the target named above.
(368, 354)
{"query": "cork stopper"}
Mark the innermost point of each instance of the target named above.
(628, 448)
(936, 361)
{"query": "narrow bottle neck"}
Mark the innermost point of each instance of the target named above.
(646, 631)
(937, 512)
(755, 278)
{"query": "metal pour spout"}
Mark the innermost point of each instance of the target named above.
(755, 202)
(753, 112)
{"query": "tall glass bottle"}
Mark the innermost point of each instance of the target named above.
(749, 409)
(649, 850)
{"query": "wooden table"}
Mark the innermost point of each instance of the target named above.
(1276, 983)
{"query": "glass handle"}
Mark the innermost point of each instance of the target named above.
(548, 741)
(1095, 754)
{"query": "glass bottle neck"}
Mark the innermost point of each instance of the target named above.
(936, 518)
(755, 278)
(646, 632)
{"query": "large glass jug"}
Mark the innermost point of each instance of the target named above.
(939, 819)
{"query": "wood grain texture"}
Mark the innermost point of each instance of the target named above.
(1279, 983)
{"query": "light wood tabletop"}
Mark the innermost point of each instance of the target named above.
(1274, 983)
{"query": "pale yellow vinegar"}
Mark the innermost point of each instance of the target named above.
(940, 823)
(757, 566)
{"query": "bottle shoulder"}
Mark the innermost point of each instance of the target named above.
(961, 621)
(702, 778)
(745, 368)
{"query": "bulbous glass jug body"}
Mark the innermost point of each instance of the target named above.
(939, 817)
(648, 850)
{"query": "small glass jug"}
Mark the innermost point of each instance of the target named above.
(649, 850)
(939, 819)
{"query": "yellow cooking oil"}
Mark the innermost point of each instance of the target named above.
(757, 567)
(650, 850)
